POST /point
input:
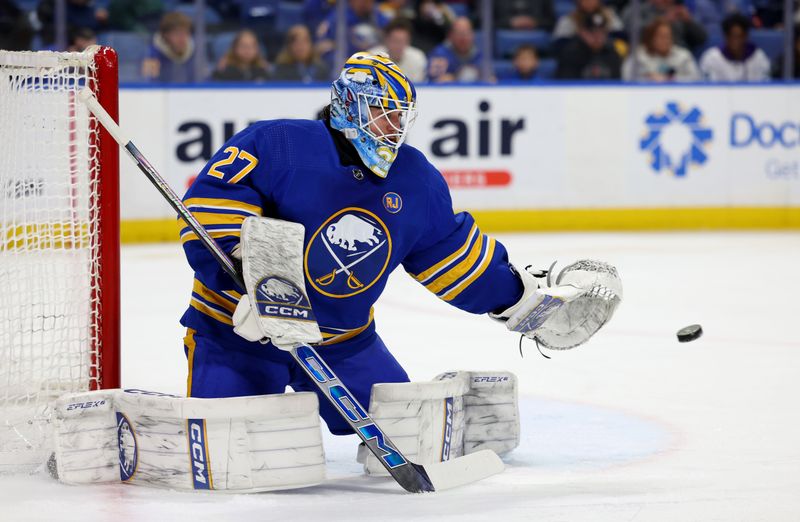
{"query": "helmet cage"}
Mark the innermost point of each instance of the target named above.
(399, 116)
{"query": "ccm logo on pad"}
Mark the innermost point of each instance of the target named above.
(198, 452)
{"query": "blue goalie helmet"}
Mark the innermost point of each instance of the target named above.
(374, 105)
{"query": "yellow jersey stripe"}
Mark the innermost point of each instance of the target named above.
(211, 312)
(190, 345)
(458, 271)
(222, 232)
(212, 297)
(349, 334)
(480, 269)
(444, 263)
(216, 218)
(233, 295)
(224, 204)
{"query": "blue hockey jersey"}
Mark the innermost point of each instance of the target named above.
(358, 229)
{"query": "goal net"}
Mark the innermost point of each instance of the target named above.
(59, 242)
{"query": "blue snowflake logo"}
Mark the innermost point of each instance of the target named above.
(676, 139)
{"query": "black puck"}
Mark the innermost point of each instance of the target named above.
(690, 333)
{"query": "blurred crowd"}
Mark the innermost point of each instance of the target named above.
(437, 41)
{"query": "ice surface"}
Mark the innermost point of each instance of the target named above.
(632, 426)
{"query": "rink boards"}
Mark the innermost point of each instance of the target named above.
(548, 157)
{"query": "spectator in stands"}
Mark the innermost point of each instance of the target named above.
(81, 39)
(567, 26)
(16, 32)
(658, 59)
(397, 44)
(141, 15)
(80, 13)
(711, 12)
(458, 59)
(432, 23)
(298, 61)
(737, 59)
(777, 68)
(364, 22)
(170, 57)
(685, 30)
(524, 14)
(590, 55)
(316, 11)
(526, 63)
(392, 9)
(243, 62)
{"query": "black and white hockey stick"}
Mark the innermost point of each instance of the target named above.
(412, 477)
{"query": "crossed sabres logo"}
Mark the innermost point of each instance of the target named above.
(348, 253)
(660, 123)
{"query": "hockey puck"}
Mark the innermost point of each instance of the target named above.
(690, 333)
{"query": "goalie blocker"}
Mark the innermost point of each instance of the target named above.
(239, 445)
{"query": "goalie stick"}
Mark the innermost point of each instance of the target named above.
(412, 477)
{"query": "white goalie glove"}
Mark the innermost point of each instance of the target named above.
(564, 312)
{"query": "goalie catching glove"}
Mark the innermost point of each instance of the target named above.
(566, 312)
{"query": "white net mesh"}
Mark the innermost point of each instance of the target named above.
(48, 245)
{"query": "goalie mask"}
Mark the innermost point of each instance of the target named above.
(374, 105)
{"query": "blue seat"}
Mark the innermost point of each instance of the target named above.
(504, 69)
(547, 68)
(131, 47)
(27, 5)
(460, 9)
(220, 43)
(289, 14)
(769, 40)
(507, 41)
(563, 7)
(211, 17)
(714, 39)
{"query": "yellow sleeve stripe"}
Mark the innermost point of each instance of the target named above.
(217, 218)
(220, 232)
(333, 339)
(211, 312)
(224, 204)
(233, 295)
(480, 269)
(458, 271)
(444, 263)
(213, 297)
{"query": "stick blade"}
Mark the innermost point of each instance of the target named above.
(464, 470)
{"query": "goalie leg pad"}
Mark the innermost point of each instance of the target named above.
(456, 414)
(491, 411)
(425, 420)
(240, 444)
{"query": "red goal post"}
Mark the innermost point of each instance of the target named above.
(59, 247)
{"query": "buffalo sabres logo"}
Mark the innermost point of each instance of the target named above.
(348, 253)
(276, 297)
(128, 452)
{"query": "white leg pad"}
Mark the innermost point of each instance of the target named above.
(424, 419)
(240, 444)
(491, 412)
